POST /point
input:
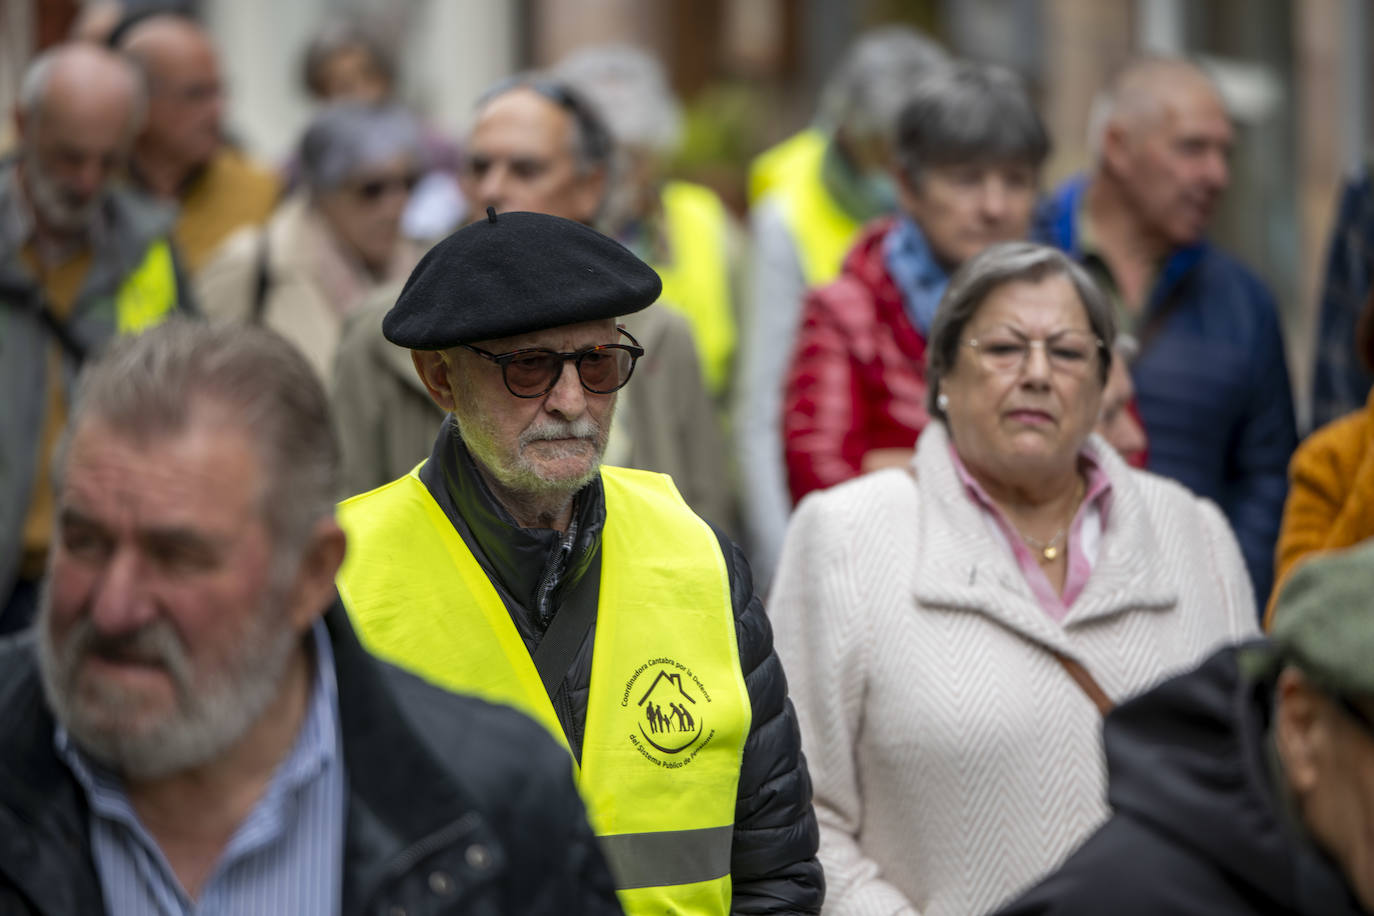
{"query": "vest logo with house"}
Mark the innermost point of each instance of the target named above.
(670, 709)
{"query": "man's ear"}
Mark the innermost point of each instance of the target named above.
(1299, 729)
(1116, 147)
(591, 196)
(319, 564)
(432, 367)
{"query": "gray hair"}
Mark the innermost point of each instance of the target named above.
(631, 93)
(348, 137)
(33, 87)
(864, 95)
(150, 385)
(996, 266)
(344, 34)
(593, 145)
(969, 112)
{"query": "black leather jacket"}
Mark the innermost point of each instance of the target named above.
(773, 866)
(455, 806)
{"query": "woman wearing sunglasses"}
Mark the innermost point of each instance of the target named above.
(330, 244)
(952, 630)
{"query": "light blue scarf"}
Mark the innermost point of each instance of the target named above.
(919, 278)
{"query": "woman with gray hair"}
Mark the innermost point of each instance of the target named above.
(969, 147)
(332, 242)
(953, 630)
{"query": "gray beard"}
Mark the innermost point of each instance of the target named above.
(57, 213)
(210, 716)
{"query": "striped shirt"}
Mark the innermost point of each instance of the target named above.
(286, 856)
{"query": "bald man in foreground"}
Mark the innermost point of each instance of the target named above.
(79, 262)
(1210, 377)
(181, 156)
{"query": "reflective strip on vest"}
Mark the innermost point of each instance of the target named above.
(697, 282)
(667, 711)
(150, 292)
(823, 231)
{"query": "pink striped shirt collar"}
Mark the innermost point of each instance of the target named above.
(1096, 498)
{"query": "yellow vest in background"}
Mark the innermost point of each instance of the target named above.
(780, 163)
(823, 231)
(149, 294)
(697, 282)
(667, 711)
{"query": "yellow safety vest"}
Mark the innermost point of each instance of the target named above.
(779, 164)
(149, 294)
(823, 231)
(697, 281)
(667, 711)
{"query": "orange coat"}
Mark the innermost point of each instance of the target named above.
(1330, 494)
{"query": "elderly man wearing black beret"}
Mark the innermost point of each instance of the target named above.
(1246, 787)
(513, 565)
(537, 145)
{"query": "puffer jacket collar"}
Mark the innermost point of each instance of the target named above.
(534, 567)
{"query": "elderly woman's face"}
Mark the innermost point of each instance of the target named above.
(964, 208)
(365, 211)
(1025, 389)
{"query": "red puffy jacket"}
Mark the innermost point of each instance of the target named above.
(857, 379)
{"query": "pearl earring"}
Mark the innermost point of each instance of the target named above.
(942, 401)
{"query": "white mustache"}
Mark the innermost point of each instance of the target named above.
(581, 428)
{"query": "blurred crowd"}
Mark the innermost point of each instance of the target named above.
(992, 449)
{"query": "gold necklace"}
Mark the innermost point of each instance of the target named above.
(1049, 550)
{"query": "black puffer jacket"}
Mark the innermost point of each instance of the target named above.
(773, 856)
(440, 786)
(1199, 826)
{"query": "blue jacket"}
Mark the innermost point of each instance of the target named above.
(1211, 384)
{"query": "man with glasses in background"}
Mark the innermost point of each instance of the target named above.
(497, 565)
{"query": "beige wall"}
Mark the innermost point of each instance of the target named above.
(1085, 41)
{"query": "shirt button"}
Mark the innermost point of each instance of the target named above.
(441, 884)
(478, 857)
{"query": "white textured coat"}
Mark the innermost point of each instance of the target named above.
(954, 760)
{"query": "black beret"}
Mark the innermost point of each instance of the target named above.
(516, 273)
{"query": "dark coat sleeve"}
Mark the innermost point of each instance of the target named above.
(773, 861)
(573, 876)
(520, 781)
